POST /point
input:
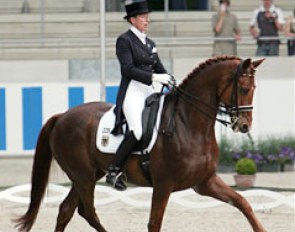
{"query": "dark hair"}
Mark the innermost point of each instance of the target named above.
(225, 1)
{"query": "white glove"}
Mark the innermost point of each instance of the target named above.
(162, 78)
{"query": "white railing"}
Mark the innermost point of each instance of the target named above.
(140, 197)
(110, 42)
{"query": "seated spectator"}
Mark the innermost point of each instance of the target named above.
(225, 25)
(269, 20)
(290, 32)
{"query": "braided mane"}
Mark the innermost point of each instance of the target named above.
(203, 65)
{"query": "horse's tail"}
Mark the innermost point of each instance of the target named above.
(40, 175)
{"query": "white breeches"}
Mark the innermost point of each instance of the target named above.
(133, 105)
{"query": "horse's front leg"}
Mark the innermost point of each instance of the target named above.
(216, 188)
(159, 202)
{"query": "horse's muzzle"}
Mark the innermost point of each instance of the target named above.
(244, 128)
(240, 124)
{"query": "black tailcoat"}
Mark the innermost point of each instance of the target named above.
(138, 62)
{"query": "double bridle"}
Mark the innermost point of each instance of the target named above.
(232, 110)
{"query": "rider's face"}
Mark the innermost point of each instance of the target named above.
(141, 22)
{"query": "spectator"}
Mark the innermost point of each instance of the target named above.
(225, 25)
(269, 20)
(290, 32)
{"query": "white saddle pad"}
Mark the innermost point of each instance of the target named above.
(109, 143)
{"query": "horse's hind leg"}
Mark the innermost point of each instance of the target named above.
(86, 206)
(68, 206)
(83, 177)
(85, 186)
(216, 188)
(66, 210)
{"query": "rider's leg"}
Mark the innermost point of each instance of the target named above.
(133, 105)
(114, 176)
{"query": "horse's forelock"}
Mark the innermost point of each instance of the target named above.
(205, 64)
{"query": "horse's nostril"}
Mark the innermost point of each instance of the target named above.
(245, 127)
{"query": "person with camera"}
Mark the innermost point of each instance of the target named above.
(290, 33)
(226, 30)
(269, 20)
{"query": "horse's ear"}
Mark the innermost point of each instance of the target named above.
(246, 64)
(256, 63)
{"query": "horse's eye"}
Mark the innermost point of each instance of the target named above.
(244, 90)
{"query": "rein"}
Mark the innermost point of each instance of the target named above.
(232, 110)
(190, 99)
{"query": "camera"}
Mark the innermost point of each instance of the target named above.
(274, 15)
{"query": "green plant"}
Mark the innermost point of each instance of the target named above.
(273, 145)
(246, 166)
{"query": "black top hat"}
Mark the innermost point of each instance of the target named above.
(135, 7)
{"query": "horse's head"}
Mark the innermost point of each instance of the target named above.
(236, 93)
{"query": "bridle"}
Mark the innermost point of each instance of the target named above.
(233, 110)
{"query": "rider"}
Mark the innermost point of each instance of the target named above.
(140, 67)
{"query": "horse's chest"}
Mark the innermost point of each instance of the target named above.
(193, 164)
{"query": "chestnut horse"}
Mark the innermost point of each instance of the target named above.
(186, 157)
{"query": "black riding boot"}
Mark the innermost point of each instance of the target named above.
(114, 176)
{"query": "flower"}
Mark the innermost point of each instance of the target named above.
(256, 157)
(286, 155)
(236, 156)
(269, 150)
(271, 158)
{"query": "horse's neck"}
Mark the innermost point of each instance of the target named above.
(199, 111)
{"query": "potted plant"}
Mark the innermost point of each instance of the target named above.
(246, 170)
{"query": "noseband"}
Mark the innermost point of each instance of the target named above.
(232, 110)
